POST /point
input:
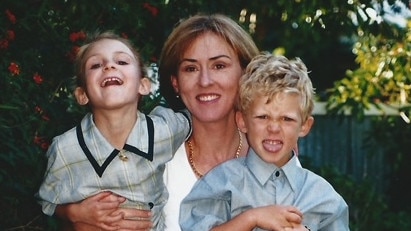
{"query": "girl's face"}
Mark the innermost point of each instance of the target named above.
(273, 128)
(113, 78)
(207, 79)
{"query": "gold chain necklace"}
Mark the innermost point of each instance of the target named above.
(191, 153)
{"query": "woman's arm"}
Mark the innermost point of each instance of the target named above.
(102, 212)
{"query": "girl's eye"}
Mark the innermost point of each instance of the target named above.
(95, 66)
(190, 69)
(122, 63)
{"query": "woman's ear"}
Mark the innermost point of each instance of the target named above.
(174, 83)
(145, 86)
(306, 127)
(81, 96)
(239, 117)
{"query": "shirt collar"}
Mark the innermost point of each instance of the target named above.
(263, 170)
(141, 136)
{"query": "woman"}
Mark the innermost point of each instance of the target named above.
(200, 67)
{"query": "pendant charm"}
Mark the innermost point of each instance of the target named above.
(122, 156)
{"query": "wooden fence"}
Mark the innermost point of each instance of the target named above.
(339, 142)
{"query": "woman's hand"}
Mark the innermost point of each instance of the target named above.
(102, 212)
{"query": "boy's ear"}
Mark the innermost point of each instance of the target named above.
(81, 96)
(145, 86)
(306, 127)
(239, 117)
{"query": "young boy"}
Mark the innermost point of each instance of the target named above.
(275, 106)
(115, 148)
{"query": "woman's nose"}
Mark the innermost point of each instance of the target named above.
(205, 78)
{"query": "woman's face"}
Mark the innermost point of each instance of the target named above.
(208, 76)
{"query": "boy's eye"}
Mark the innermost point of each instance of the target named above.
(263, 117)
(288, 119)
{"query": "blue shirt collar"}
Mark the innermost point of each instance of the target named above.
(263, 170)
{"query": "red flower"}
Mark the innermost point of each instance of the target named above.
(45, 118)
(41, 142)
(44, 145)
(77, 36)
(11, 35)
(153, 10)
(37, 139)
(14, 69)
(4, 44)
(38, 79)
(38, 110)
(11, 17)
(73, 53)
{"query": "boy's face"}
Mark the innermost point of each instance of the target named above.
(273, 128)
(112, 75)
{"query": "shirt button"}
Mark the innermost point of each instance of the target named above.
(277, 174)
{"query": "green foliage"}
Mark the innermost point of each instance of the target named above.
(368, 208)
(383, 75)
(38, 40)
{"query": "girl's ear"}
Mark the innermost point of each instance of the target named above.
(145, 86)
(81, 96)
(239, 117)
(306, 127)
(174, 83)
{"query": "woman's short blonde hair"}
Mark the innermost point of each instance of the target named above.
(183, 36)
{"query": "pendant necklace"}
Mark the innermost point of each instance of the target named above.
(191, 153)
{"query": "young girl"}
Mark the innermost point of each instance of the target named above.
(115, 148)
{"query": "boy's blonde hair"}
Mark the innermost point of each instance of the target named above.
(268, 75)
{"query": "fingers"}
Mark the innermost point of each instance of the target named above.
(134, 224)
(134, 213)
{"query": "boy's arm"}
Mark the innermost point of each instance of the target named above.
(273, 217)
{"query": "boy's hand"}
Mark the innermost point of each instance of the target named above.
(276, 217)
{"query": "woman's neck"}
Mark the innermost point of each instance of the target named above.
(213, 144)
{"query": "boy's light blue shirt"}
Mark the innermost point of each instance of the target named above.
(248, 182)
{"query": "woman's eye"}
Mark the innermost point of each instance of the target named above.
(219, 66)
